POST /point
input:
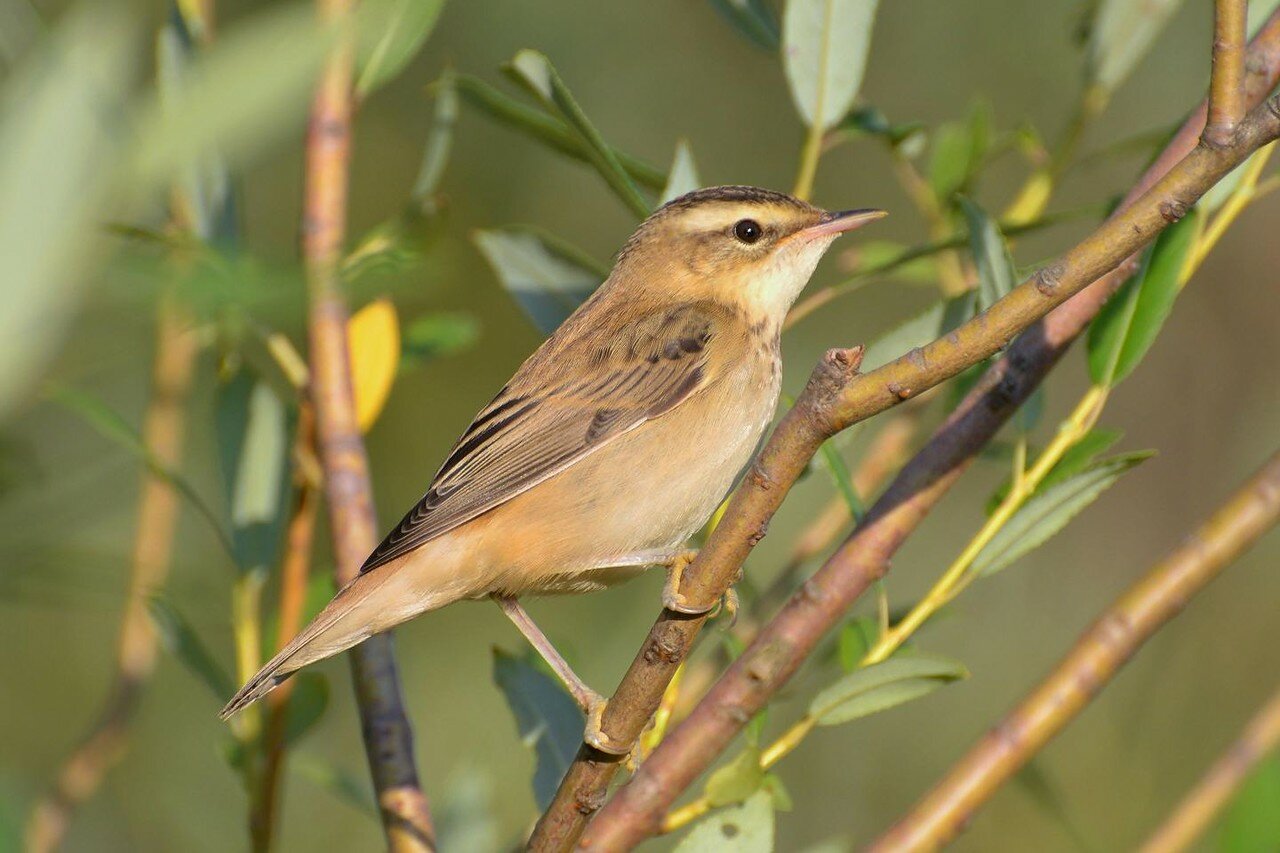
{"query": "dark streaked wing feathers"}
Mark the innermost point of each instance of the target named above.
(528, 433)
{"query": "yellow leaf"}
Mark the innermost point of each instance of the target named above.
(1031, 201)
(373, 339)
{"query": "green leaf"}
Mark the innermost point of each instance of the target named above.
(1050, 510)
(1120, 35)
(392, 32)
(927, 326)
(439, 335)
(825, 44)
(111, 425)
(340, 783)
(736, 781)
(546, 129)
(996, 272)
(1130, 321)
(753, 18)
(855, 639)
(747, 828)
(547, 279)
(180, 640)
(466, 817)
(843, 479)
(250, 88)
(59, 111)
(1252, 821)
(1077, 457)
(539, 77)
(435, 154)
(778, 792)
(882, 686)
(683, 177)
(883, 257)
(547, 719)
(872, 121)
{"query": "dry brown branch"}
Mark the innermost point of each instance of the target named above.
(1112, 640)
(1197, 810)
(780, 648)
(1226, 81)
(353, 523)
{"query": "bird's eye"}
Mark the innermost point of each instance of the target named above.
(748, 230)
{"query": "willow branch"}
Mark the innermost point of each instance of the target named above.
(1197, 810)
(1097, 656)
(1226, 81)
(778, 650)
(163, 433)
(353, 523)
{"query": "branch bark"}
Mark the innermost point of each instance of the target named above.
(388, 737)
(1117, 635)
(864, 557)
(1226, 80)
(1197, 810)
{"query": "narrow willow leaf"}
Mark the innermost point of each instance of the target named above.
(929, 325)
(435, 154)
(683, 177)
(1121, 34)
(883, 257)
(855, 639)
(883, 685)
(1050, 510)
(996, 273)
(59, 111)
(1078, 457)
(829, 453)
(753, 18)
(547, 719)
(439, 336)
(737, 780)
(824, 52)
(392, 32)
(949, 160)
(539, 77)
(340, 783)
(778, 792)
(547, 129)
(307, 704)
(747, 828)
(873, 122)
(109, 424)
(250, 88)
(1252, 820)
(373, 345)
(546, 281)
(1128, 324)
(180, 640)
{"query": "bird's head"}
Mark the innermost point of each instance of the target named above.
(744, 246)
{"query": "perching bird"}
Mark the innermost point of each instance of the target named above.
(612, 444)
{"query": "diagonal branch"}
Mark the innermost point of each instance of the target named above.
(864, 557)
(353, 524)
(1197, 810)
(1226, 80)
(1099, 654)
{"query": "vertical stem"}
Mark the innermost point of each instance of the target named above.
(352, 520)
(1226, 80)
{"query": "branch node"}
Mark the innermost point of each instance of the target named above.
(1173, 210)
(1048, 278)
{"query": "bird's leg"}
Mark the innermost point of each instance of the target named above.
(675, 601)
(591, 702)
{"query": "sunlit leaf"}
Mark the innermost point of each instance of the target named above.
(1252, 821)
(778, 792)
(373, 341)
(58, 113)
(1121, 33)
(540, 78)
(547, 129)
(439, 335)
(737, 780)
(753, 18)
(1050, 510)
(883, 257)
(180, 640)
(747, 828)
(392, 32)
(882, 686)
(855, 639)
(870, 120)
(931, 324)
(1076, 459)
(824, 51)
(683, 177)
(829, 454)
(1128, 324)
(547, 719)
(342, 784)
(546, 279)
(435, 154)
(996, 273)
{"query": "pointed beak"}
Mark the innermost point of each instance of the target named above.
(840, 221)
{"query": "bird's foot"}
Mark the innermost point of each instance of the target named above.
(672, 598)
(595, 736)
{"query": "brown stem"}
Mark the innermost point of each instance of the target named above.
(1226, 80)
(163, 433)
(353, 523)
(1098, 655)
(1197, 810)
(864, 557)
(295, 567)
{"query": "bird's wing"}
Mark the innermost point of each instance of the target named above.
(571, 398)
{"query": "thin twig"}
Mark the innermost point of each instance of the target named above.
(864, 557)
(353, 523)
(1112, 640)
(1226, 80)
(1197, 810)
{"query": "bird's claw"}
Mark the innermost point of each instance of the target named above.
(677, 602)
(595, 736)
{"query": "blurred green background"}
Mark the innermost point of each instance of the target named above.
(648, 74)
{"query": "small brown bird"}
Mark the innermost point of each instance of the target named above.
(612, 444)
